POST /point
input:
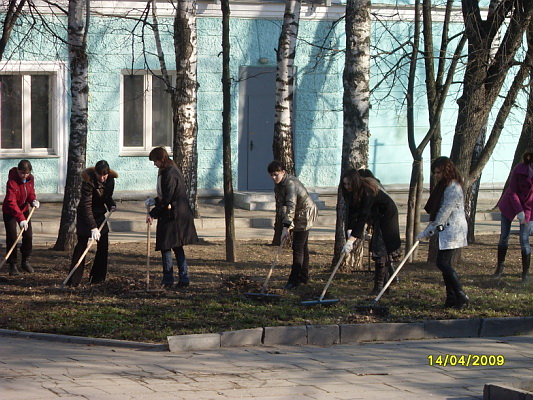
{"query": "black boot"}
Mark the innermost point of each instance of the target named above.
(461, 299)
(450, 294)
(502, 252)
(526, 261)
(392, 270)
(13, 271)
(25, 265)
(380, 273)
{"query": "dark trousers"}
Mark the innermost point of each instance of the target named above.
(99, 269)
(11, 226)
(444, 261)
(300, 257)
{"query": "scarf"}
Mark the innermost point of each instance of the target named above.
(435, 199)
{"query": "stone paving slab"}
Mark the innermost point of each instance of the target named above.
(370, 370)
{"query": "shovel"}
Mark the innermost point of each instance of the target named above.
(372, 308)
(91, 242)
(263, 295)
(321, 298)
(148, 290)
(17, 240)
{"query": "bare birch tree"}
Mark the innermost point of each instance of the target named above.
(356, 102)
(78, 26)
(282, 146)
(184, 101)
(283, 128)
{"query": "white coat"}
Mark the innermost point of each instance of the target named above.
(451, 217)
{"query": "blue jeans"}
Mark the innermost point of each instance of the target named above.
(168, 269)
(506, 233)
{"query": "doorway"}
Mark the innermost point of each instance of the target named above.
(257, 97)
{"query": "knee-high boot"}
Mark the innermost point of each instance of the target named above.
(391, 270)
(461, 299)
(526, 261)
(502, 252)
(380, 273)
(450, 293)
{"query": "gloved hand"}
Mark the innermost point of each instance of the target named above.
(149, 202)
(36, 203)
(113, 209)
(24, 225)
(420, 236)
(284, 234)
(521, 217)
(348, 247)
(95, 234)
(348, 233)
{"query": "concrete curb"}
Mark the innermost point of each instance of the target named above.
(326, 335)
(320, 335)
(511, 391)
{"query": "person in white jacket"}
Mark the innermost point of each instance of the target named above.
(446, 211)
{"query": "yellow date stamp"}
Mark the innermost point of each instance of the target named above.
(466, 360)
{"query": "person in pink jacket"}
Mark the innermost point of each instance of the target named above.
(20, 195)
(517, 201)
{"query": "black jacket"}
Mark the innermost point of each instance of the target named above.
(175, 221)
(96, 199)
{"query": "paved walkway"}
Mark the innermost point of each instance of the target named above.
(31, 369)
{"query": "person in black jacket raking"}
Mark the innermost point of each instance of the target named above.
(98, 185)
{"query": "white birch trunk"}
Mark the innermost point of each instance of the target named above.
(283, 128)
(185, 99)
(78, 21)
(356, 101)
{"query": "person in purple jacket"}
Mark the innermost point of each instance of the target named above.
(517, 201)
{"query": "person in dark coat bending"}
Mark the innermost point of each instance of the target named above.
(98, 185)
(175, 220)
(368, 203)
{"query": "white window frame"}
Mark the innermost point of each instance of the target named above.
(145, 149)
(58, 95)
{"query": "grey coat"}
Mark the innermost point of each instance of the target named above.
(298, 209)
(451, 217)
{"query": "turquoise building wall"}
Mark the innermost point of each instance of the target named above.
(318, 102)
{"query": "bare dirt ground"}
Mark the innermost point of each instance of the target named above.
(121, 308)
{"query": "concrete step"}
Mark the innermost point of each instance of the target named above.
(265, 201)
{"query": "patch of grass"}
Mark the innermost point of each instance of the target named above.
(215, 301)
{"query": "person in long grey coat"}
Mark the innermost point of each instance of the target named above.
(446, 211)
(175, 220)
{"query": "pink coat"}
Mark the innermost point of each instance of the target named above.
(519, 194)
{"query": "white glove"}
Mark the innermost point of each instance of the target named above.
(284, 233)
(348, 233)
(24, 225)
(521, 217)
(149, 202)
(95, 234)
(348, 247)
(36, 203)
